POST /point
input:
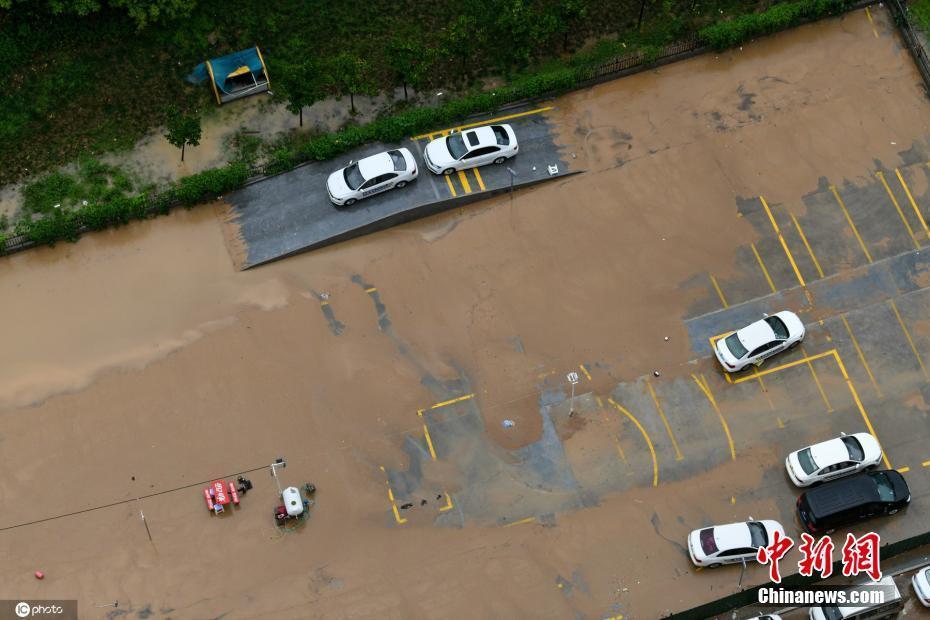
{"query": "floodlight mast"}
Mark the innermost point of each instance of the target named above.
(279, 462)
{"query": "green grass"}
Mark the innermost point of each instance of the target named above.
(93, 183)
(920, 12)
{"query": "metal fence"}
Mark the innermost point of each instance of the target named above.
(911, 38)
(639, 60)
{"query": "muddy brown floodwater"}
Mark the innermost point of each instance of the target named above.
(138, 360)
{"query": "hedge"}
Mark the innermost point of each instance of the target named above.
(65, 224)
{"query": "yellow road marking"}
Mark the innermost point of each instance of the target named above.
(925, 464)
(522, 522)
(370, 290)
(823, 394)
(910, 197)
(449, 183)
(617, 617)
(705, 387)
(452, 401)
(784, 244)
(855, 395)
(668, 428)
(903, 470)
(897, 207)
(652, 450)
(449, 505)
(910, 340)
(464, 181)
(479, 179)
(849, 221)
(489, 121)
(723, 299)
(732, 499)
(861, 356)
(324, 303)
(807, 245)
(606, 419)
(780, 423)
(585, 371)
(713, 344)
(765, 271)
(397, 517)
(871, 21)
(620, 449)
(429, 441)
(600, 403)
(785, 366)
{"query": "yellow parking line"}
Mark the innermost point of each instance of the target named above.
(765, 271)
(652, 450)
(823, 394)
(925, 464)
(479, 179)
(861, 356)
(668, 428)
(489, 121)
(784, 244)
(452, 401)
(370, 290)
(785, 366)
(521, 521)
(807, 245)
(449, 183)
(910, 197)
(849, 221)
(855, 395)
(723, 299)
(449, 505)
(397, 517)
(903, 470)
(585, 371)
(910, 340)
(871, 21)
(705, 387)
(429, 441)
(897, 207)
(464, 181)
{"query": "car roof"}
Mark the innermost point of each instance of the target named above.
(829, 452)
(479, 137)
(756, 335)
(375, 165)
(841, 494)
(732, 536)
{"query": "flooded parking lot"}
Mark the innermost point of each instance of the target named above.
(140, 361)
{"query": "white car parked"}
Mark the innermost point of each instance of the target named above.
(471, 148)
(921, 583)
(755, 343)
(371, 175)
(731, 543)
(833, 459)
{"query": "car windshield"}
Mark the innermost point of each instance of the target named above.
(757, 535)
(807, 461)
(708, 544)
(456, 146)
(778, 326)
(354, 178)
(500, 134)
(735, 346)
(856, 453)
(400, 163)
(885, 487)
(832, 613)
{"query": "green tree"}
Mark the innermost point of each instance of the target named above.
(183, 129)
(348, 74)
(462, 38)
(568, 14)
(143, 12)
(524, 29)
(302, 82)
(410, 60)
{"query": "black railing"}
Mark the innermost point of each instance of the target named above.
(902, 18)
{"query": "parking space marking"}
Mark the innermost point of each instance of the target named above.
(488, 121)
(758, 377)
(903, 470)
(585, 371)
(449, 505)
(849, 221)
(723, 299)
(522, 522)
(925, 464)
(855, 342)
(479, 179)
(464, 180)
(871, 21)
(400, 520)
(910, 340)
(894, 201)
(668, 428)
(765, 271)
(910, 197)
(452, 401)
(449, 183)
(823, 394)
(807, 245)
(429, 440)
(705, 388)
(784, 244)
(652, 450)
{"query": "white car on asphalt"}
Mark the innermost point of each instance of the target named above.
(371, 175)
(755, 343)
(731, 543)
(471, 148)
(828, 460)
(921, 583)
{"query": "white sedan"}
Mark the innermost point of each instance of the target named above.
(371, 175)
(921, 583)
(755, 343)
(832, 459)
(471, 148)
(731, 543)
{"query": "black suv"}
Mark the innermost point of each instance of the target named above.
(824, 508)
